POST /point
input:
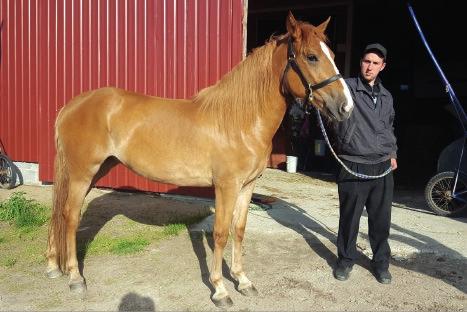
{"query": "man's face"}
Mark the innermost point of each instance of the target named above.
(370, 66)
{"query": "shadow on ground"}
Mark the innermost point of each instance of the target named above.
(158, 211)
(135, 302)
(414, 200)
(447, 264)
(149, 209)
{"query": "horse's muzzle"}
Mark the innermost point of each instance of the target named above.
(341, 111)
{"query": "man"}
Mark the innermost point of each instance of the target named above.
(367, 145)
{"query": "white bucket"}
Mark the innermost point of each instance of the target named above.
(292, 164)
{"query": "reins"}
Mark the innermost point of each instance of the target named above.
(292, 63)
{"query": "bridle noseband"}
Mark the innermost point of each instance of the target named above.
(309, 88)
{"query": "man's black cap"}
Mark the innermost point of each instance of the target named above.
(376, 47)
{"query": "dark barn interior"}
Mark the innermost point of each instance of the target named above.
(425, 121)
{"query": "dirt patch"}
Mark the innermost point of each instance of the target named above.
(291, 272)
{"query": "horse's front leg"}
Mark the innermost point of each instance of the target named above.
(245, 286)
(226, 198)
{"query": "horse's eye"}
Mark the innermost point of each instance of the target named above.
(312, 58)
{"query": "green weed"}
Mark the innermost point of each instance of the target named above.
(27, 247)
(22, 212)
(128, 245)
(26, 231)
(173, 229)
(119, 246)
(9, 262)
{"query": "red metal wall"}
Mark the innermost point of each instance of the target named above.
(19, 78)
(52, 50)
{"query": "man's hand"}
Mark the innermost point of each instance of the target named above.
(393, 163)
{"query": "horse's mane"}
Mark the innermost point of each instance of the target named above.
(236, 100)
(241, 96)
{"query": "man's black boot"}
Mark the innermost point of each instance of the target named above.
(341, 272)
(383, 276)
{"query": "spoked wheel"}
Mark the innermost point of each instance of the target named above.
(7, 173)
(438, 194)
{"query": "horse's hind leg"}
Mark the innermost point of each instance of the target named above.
(77, 192)
(226, 197)
(245, 286)
(53, 270)
(72, 184)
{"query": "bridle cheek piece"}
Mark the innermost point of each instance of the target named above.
(309, 88)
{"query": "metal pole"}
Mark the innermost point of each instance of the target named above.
(452, 95)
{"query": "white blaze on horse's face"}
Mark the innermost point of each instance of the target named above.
(348, 107)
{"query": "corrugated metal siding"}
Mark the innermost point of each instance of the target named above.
(54, 50)
(19, 112)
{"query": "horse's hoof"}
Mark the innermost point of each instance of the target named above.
(225, 302)
(249, 291)
(78, 287)
(54, 273)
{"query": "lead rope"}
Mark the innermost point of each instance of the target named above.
(359, 175)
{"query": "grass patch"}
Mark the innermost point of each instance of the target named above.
(24, 231)
(114, 238)
(173, 229)
(258, 207)
(22, 212)
(142, 237)
(22, 248)
(9, 262)
(129, 246)
(119, 246)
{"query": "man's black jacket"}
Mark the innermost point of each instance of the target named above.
(368, 135)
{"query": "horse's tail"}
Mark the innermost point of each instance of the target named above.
(57, 228)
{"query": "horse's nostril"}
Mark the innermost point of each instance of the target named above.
(342, 107)
(344, 111)
(346, 108)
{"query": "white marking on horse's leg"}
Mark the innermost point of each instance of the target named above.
(226, 197)
(216, 278)
(220, 291)
(238, 232)
(347, 94)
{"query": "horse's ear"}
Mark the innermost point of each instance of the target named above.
(293, 27)
(322, 27)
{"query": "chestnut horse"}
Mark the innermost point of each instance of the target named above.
(222, 137)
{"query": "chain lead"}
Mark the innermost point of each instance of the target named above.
(358, 175)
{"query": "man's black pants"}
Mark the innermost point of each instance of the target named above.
(374, 194)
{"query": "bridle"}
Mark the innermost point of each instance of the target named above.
(309, 88)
